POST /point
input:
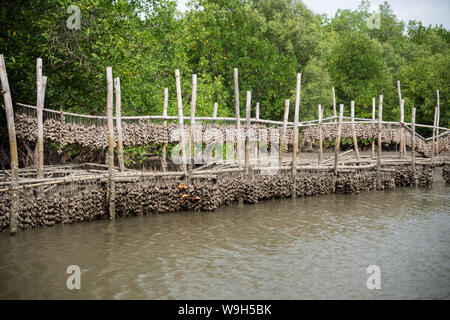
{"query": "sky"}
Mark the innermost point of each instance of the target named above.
(427, 11)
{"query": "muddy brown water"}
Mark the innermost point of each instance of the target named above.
(306, 248)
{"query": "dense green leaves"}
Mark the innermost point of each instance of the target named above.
(268, 40)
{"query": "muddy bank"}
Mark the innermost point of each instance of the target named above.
(79, 202)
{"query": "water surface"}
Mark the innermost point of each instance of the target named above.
(308, 248)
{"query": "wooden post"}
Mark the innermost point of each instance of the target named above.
(402, 130)
(433, 143)
(164, 146)
(216, 107)
(413, 144)
(180, 121)
(338, 138)
(334, 105)
(192, 124)
(320, 135)
(437, 122)
(295, 143)
(14, 213)
(40, 124)
(110, 154)
(380, 127)
(238, 117)
(248, 106)
(283, 133)
(373, 119)
(119, 125)
(257, 111)
(355, 139)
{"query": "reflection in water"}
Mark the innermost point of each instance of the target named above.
(314, 247)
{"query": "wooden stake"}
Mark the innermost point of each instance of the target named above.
(320, 135)
(338, 138)
(110, 154)
(402, 130)
(257, 111)
(433, 143)
(334, 105)
(192, 124)
(119, 124)
(295, 146)
(164, 146)
(238, 117)
(413, 144)
(437, 122)
(40, 124)
(373, 119)
(283, 132)
(355, 140)
(14, 213)
(380, 127)
(248, 106)
(180, 121)
(216, 107)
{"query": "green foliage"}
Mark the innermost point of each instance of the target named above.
(268, 40)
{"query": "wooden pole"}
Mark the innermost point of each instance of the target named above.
(295, 143)
(283, 132)
(373, 119)
(380, 127)
(257, 111)
(338, 138)
(39, 115)
(216, 107)
(192, 124)
(164, 146)
(334, 105)
(355, 140)
(413, 144)
(320, 135)
(433, 143)
(110, 154)
(247, 133)
(437, 122)
(119, 125)
(402, 130)
(180, 121)
(238, 117)
(14, 214)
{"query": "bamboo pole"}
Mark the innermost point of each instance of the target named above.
(40, 125)
(283, 132)
(257, 111)
(164, 146)
(334, 105)
(192, 124)
(413, 144)
(373, 119)
(402, 130)
(355, 140)
(380, 126)
(14, 213)
(110, 154)
(238, 122)
(295, 146)
(433, 144)
(437, 122)
(119, 124)
(247, 133)
(320, 135)
(180, 121)
(338, 137)
(216, 107)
